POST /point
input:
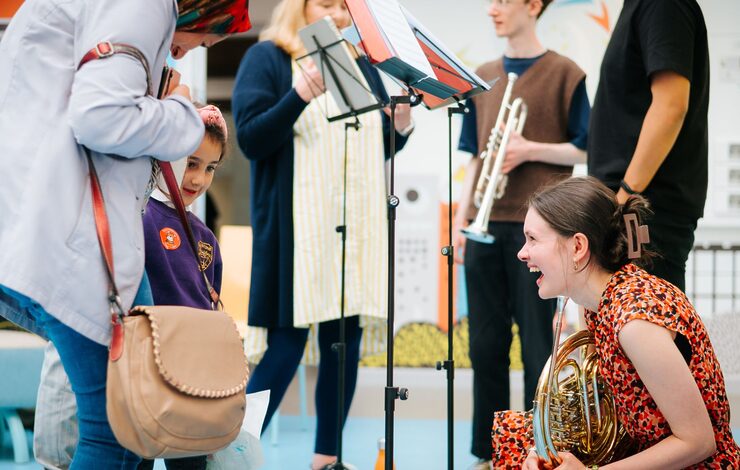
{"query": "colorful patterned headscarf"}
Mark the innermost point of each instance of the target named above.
(213, 16)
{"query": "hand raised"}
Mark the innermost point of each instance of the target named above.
(310, 84)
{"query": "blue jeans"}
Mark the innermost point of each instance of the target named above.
(86, 364)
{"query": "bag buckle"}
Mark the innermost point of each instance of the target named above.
(104, 49)
(116, 310)
(116, 318)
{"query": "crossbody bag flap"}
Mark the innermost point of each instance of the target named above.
(200, 354)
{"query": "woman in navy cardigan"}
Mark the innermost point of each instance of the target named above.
(268, 109)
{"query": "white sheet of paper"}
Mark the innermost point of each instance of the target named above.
(393, 23)
(348, 82)
(256, 411)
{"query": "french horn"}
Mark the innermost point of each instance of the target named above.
(574, 409)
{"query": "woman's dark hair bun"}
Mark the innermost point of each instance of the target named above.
(585, 205)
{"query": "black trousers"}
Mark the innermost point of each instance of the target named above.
(501, 290)
(672, 237)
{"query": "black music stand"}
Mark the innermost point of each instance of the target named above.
(449, 252)
(355, 97)
(392, 392)
(450, 83)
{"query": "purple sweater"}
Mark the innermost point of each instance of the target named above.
(170, 264)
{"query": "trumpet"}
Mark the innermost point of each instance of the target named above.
(574, 410)
(491, 183)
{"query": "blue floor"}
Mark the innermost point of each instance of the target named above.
(418, 444)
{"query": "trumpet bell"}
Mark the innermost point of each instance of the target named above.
(480, 235)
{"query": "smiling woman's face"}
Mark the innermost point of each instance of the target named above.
(543, 251)
(336, 9)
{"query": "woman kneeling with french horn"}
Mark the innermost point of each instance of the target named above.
(654, 395)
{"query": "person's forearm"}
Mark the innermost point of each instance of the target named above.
(669, 453)
(557, 154)
(659, 132)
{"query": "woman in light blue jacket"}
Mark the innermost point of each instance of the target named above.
(52, 279)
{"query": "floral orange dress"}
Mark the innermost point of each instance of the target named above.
(633, 294)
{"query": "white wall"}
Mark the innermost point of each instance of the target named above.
(722, 221)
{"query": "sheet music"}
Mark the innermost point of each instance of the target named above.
(398, 33)
(450, 57)
(342, 77)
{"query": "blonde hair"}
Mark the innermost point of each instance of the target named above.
(287, 18)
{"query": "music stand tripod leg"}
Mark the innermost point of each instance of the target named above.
(341, 347)
(449, 252)
(391, 392)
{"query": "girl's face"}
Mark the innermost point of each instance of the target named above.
(317, 9)
(200, 169)
(183, 42)
(544, 252)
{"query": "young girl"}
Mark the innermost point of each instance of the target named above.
(654, 352)
(174, 276)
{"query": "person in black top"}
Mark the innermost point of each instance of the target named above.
(648, 131)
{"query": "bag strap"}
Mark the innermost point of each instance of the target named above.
(102, 228)
(104, 50)
(176, 197)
